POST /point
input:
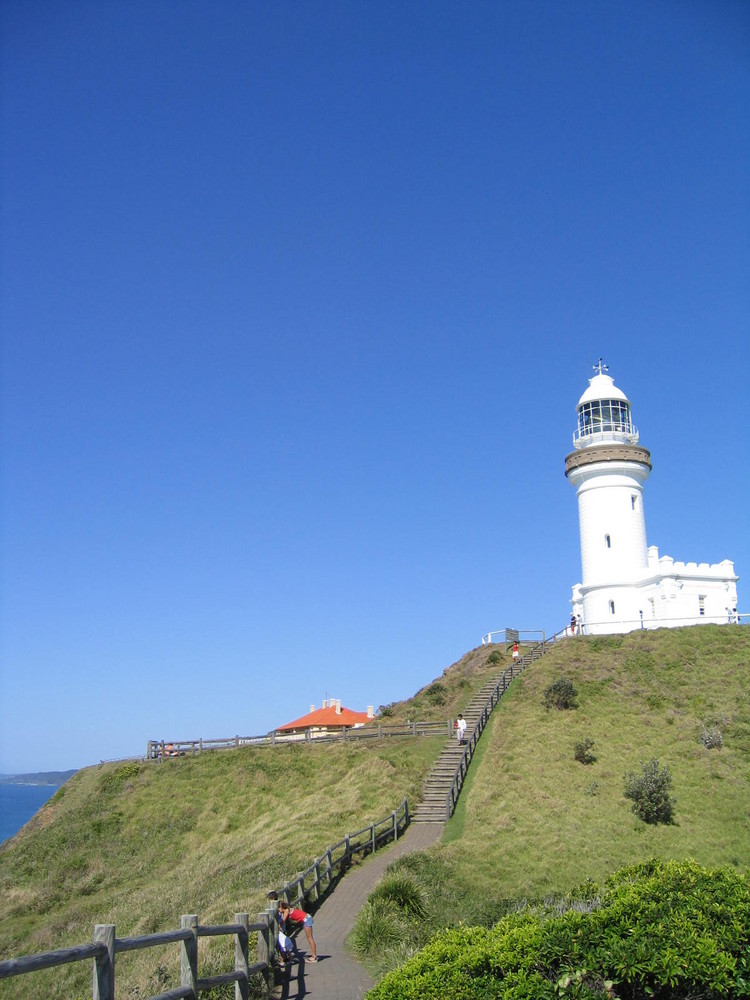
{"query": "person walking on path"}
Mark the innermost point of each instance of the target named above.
(300, 917)
(461, 730)
(516, 652)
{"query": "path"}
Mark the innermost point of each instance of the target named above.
(336, 976)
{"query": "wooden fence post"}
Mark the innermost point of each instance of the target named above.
(189, 953)
(317, 878)
(329, 866)
(372, 836)
(104, 967)
(241, 957)
(395, 825)
(265, 943)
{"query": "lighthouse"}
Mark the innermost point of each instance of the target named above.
(625, 584)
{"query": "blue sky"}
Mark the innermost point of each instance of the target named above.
(297, 303)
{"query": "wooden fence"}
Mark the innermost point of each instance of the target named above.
(157, 749)
(307, 887)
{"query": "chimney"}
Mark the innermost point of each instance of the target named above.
(312, 708)
(370, 712)
(338, 706)
(325, 703)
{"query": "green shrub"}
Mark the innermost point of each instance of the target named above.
(378, 927)
(401, 890)
(661, 929)
(582, 751)
(561, 694)
(649, 792)
(113, 780)
(436, 693)
(495, 656)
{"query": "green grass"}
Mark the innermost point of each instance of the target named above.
(138, 845)
(538, 821)
(533, 822)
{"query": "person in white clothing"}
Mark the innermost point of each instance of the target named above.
(461, 730)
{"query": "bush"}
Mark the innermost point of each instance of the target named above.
(667, 929)
(711, 738)
(379, 926)
(495, 656)
(582, 751)
(561, 694)
(435, 693)
(649, 792)
(401, 890)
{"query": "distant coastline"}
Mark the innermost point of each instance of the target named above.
(52, 779)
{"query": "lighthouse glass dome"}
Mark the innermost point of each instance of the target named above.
(604, 415)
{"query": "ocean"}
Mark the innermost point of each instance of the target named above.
(18, 803)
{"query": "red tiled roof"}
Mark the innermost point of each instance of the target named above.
(327, 717)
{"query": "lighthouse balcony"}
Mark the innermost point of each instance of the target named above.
(605, 434)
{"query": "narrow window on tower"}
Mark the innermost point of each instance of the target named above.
(632, 501)
(611, 607)
(608, 541)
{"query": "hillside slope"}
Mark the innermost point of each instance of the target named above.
(536, 821)
(139, 844)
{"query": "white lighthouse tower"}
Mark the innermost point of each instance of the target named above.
(625, 584)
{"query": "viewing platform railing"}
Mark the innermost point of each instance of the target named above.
(158, 749)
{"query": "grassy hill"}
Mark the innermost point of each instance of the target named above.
(139, 844)
(534, 823)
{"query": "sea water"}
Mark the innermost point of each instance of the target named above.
(18, 803)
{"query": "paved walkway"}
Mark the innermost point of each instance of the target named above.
(336, 976)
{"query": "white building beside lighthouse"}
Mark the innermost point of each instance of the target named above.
(625, 584)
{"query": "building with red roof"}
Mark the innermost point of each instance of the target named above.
(332, 716)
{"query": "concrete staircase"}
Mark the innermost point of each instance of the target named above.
(438, 797)
(432, 807)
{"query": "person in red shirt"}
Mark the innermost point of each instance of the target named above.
(300, 917)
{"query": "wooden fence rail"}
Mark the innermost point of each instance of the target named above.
(107, 946)
(308, 886)
(157, 749)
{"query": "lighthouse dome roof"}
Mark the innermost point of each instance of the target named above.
(603, 414)
(602, 387)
